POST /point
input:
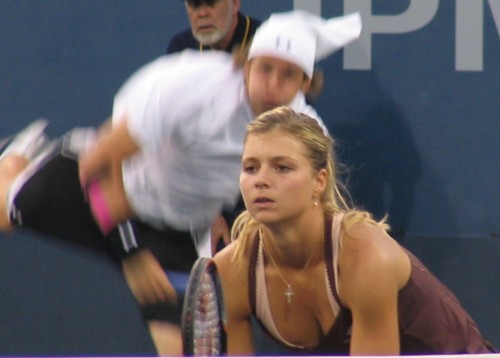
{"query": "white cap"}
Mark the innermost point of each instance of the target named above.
(303, 38)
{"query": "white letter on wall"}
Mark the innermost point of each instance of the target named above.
(469, 35)
(313, 6)
(358, 55)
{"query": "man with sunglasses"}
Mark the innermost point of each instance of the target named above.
(215, 25)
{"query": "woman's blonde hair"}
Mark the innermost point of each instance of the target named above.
(319, 151)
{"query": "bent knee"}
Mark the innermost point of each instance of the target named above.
(12, 165)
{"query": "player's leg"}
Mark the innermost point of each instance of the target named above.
(10, 167)
(46, 197)
(28, 142)
(15, 154)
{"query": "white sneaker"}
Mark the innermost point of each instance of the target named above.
(4, 142)
(29, 141)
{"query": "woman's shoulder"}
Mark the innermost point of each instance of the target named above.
(232, 260)
(233, 271)
(366, 236)
(369, 251)
(223, 257)
(365, 243)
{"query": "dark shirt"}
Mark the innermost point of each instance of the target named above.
(185, 39)
(431, 319)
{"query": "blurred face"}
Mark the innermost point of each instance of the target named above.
(277, 181)
(213, 22)
(273, 82)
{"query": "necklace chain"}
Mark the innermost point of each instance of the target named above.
(289, 293)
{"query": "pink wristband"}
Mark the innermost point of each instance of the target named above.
(99, 207)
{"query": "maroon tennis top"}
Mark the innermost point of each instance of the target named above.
(431, 319)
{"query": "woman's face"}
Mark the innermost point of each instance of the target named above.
(277, 180)
(271, 82)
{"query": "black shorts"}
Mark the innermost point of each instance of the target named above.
(50, 201)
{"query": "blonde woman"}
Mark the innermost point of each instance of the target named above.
(321, 277)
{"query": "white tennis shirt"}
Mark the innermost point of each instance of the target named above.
(188, 112)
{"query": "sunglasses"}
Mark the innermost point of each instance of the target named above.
(198, 3)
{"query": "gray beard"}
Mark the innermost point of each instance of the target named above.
(217, 35)
(209, 39)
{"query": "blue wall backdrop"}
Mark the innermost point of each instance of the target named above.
(414, 105)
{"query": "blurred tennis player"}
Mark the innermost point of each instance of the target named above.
(169, 160)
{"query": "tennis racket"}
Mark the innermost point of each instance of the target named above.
(203, 312)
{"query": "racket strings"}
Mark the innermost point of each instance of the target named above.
(207, 328)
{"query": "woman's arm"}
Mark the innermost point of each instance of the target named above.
(234, 278)
(373, 269)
